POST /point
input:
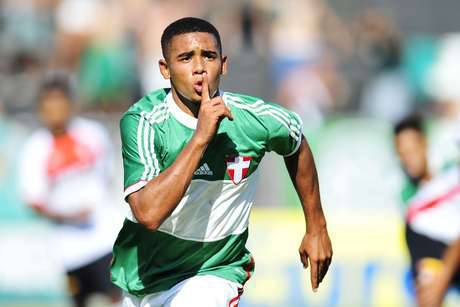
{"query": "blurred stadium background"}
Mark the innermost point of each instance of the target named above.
(351, 68)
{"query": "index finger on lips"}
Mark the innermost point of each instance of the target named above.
(205, 88)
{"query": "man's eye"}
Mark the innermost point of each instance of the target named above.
(185, 59)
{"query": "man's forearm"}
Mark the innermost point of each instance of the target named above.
(71, 218)
(451, 260)
(302, 170)
(315, 249)
(161, 195)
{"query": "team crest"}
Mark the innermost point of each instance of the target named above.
(238, 167)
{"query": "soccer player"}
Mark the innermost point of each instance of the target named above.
(64, 177)
(433, 206)
(190, 156)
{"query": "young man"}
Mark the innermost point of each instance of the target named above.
(190, 157)
(433, 206)
(64, 176)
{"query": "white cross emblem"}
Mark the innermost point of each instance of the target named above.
(238, 168)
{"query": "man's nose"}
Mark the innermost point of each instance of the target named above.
(199, 66)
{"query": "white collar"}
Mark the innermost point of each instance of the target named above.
(184, 118)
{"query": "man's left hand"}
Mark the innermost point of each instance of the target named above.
(316, 247)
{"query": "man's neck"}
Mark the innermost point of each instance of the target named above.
(57, 132)
(185, 104)
(427, 177)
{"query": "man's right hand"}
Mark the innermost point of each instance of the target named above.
(212, 111)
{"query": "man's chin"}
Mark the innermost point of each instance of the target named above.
(196, 97)
(193, 97)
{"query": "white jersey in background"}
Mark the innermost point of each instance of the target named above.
(434, 211)
(69, 174)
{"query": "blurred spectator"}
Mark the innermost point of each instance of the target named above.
(445, 75)
(295, 36)
(419, 54)
(75, 21)
(305, 71)
(246, 28)
(433, 204)
(19, 80)
(27, 25)
(313, 91)
(26, 37)
(147, 19)
(99, 52)
(64, 174)
(443, 86)
(387, 95)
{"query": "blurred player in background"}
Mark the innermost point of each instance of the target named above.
(64, 176)
(190, 157)
(433, 205)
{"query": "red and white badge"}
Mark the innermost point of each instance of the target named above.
(238, 167)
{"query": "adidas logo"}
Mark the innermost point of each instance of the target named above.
(204, 170)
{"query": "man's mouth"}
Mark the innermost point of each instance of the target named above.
(198, 87)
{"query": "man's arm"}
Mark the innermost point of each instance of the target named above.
(78, 217)
(432, 294)
(152, 204)
(316, 246)
(159, 197)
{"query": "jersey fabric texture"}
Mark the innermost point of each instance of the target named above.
(207, 232)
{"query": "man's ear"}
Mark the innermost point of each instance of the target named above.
(224, 65)
(164, 69)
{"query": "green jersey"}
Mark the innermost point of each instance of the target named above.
(207, 231)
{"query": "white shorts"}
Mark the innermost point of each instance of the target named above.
(197, 291)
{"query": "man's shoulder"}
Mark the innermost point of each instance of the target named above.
(89, 128)
(251, 103)
(238, 98)
(149, 102)
(259, 108)
(246, 104)
(38, 135)
(86, 123)
(154, 102)
(37, 141)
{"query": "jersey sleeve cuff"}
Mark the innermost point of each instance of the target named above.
(134, 188)
(299, 140)
(296, 148)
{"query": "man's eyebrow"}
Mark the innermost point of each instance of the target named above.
(209, 52)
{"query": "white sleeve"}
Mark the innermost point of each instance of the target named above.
(105, 156)
(33, 180)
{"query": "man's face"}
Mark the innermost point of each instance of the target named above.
(412, 151)
(188, 57)
(55, 110)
